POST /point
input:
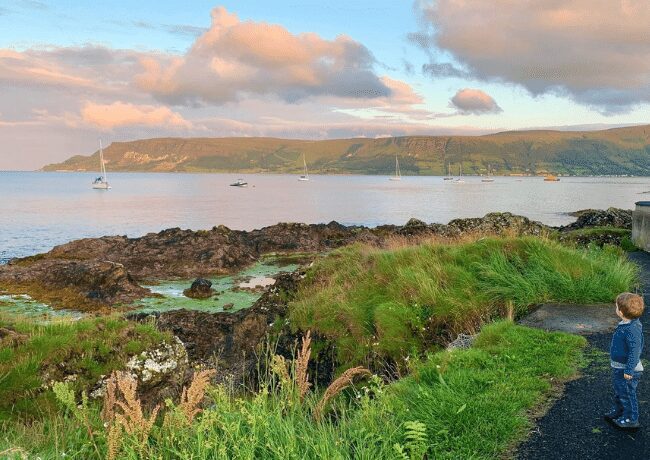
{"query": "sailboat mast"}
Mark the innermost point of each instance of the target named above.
(398, 173)
(101, 158)
(304, 163)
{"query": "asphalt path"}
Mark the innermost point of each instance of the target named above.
(574, 428)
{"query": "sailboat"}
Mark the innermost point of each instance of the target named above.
(489, 177)
(239, 183)
(101, 183)
(460, 179)
(398, 173)
(305, 175)
(448, 176)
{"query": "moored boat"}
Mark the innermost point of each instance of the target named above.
(101, 183)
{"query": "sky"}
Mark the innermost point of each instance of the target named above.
(72, 72)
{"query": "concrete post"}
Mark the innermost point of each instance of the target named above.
(641, 225)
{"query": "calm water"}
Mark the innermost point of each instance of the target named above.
(41, 210)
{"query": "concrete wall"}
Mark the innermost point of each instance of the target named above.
(641, 225)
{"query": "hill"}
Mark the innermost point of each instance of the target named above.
(612, 151)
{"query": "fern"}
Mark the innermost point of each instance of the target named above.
(400, 451)
(415, 437)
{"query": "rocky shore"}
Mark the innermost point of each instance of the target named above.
(94, 273)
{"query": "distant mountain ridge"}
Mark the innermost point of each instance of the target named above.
(612, 151)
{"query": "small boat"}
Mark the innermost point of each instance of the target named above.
(101, 183)
(489, 177)
(239, 183)
(447, 177)
(305, 175)
(551, 178)
(460, 179)
(398, 173)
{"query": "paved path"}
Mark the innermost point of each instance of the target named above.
(574, 428)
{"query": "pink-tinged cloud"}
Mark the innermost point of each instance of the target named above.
(118, 114)
(234, 59)
(474, 101)
(596, 51)
(23, 68)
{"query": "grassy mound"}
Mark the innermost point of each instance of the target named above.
(39, 354)
(460, 404)
(599, 236)
(392, 303)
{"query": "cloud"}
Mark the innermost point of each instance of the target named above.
(239, 78)
(474, 101)
(33, 4)
(236, 58)
(174, 29)
(231, 61)
(594, 51)
(108, 116)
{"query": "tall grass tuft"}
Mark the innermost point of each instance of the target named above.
(390, 303)
(301, 365)
(337, 386)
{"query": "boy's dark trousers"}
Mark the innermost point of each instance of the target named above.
(625, 402)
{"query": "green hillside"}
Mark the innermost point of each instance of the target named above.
(612, 151)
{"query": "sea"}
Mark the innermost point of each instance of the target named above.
(41, 210)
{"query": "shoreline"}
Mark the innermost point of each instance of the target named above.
(317, 174)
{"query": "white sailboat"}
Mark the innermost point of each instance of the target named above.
(101, 183)
(305, 175)
(460, 179)
(489, 177)
(398, 173)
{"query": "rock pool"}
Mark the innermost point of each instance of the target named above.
(23, 306)
(235, 292)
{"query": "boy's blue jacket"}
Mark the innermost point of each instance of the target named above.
(627, 343)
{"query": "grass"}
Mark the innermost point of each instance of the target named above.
(388, 304)
(87, 348)
(462, 404)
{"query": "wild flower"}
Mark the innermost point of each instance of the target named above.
(192, 397)
(130, 420)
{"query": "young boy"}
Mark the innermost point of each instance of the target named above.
(625, 354)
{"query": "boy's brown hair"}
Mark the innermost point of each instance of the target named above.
(630, 305)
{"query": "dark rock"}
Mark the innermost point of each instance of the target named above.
(200, 289)
(610, 236)
(228, 306)
(413, 222)
(414, 226)
(612, 217)
(160, 372)
(99, 282)
(497, 223)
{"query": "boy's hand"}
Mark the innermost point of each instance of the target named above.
(627, 376)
